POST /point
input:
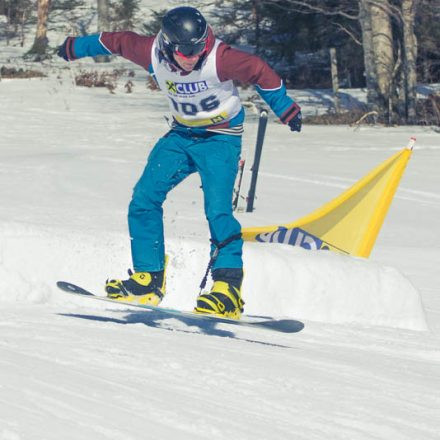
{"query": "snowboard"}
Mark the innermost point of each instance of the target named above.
(283, 325)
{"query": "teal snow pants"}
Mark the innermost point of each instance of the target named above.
(175, 156)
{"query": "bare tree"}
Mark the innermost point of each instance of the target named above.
(382, 38)
(410, 44)
(41, 42)
(369, 56)
(335, 78)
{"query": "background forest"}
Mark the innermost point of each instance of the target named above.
(386, 46)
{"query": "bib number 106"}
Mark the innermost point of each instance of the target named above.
(191, 109)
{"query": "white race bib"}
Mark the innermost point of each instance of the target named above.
(199, 98)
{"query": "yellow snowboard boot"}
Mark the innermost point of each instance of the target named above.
(146, 288)
(224, 299)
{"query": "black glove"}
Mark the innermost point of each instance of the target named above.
(296, 122)
(65, 50)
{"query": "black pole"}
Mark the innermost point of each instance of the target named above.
(262, 123)
(240, 179)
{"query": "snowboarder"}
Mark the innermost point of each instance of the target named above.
(196, 72)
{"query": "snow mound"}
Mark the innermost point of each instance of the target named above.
(324, 286)
(280, 281)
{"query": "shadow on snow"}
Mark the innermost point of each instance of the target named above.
(155, 319)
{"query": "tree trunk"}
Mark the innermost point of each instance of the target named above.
(22, 24)
(41, 42)
(103, 25)
(410, 59)
(382, 46)
(367, 44)
(382, 36)
(335, 79)
(8, 26)
(377, 41)
(256, 15)
(103, 16)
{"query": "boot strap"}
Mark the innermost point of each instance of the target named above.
(224, 289)
(218, 246)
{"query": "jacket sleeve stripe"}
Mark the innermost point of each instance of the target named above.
(69, 49)
(105, 47)
(274, 89)
(290, 113)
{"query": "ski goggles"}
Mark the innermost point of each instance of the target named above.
(190, 50)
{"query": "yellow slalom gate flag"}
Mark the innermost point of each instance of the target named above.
(351, 222)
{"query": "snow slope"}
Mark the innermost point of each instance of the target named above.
(355, 353)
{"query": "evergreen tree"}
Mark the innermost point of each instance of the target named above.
(239, 22)
(294, 41)
(124, 14)
(152, 27)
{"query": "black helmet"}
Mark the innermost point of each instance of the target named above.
(184, 31)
